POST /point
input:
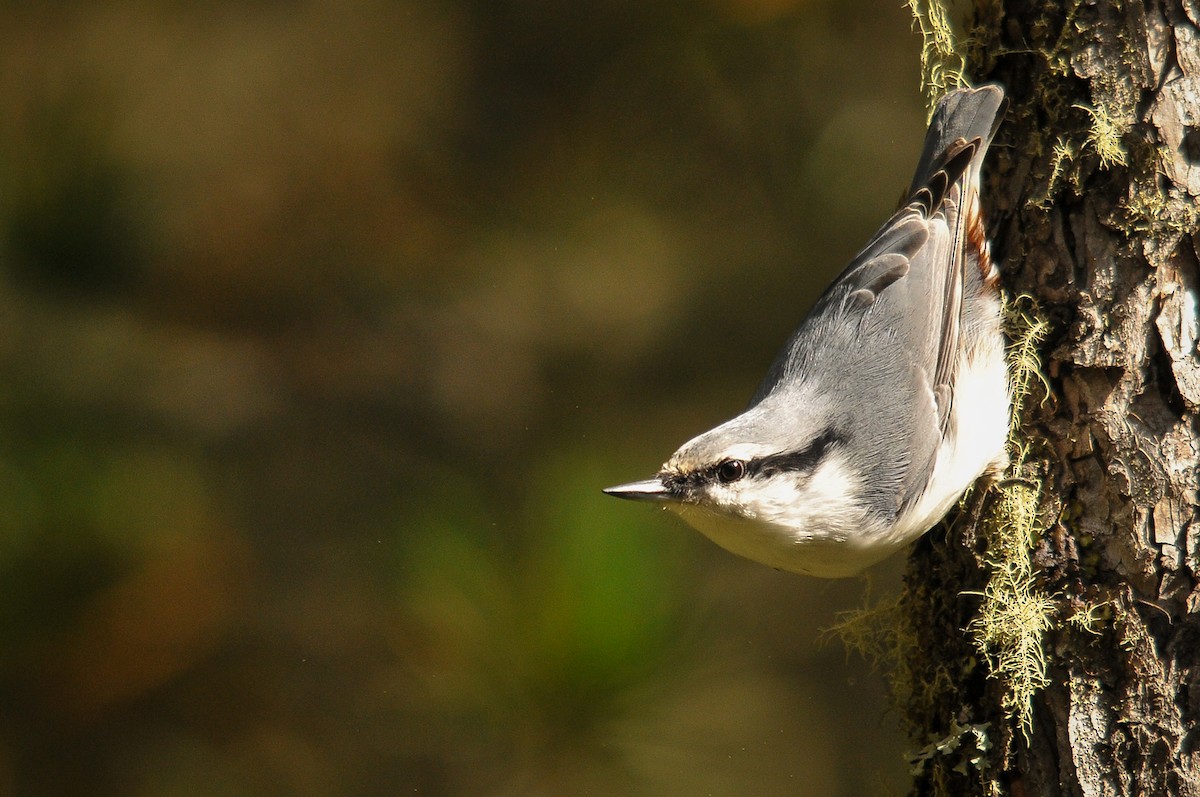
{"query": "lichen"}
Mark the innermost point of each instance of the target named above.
(1064, 170)
(1149, 211)
(1026, 330)
(942, 64)
(1015, 613)
(1104, 136)
(973, 756)
(1061, 130)
(883, 635)
(1092, 618)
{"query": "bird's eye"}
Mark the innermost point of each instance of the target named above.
(731, 470)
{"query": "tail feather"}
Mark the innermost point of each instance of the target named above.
(962, 115)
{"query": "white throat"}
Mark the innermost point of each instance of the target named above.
(810, 525)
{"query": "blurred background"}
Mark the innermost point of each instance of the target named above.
(322, 324)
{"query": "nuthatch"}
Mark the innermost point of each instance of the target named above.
(889, 400)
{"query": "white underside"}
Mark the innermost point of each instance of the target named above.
(974, 444)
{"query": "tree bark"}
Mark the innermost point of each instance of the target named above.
(1093, 194)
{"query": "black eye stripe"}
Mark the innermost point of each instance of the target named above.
(803, 460)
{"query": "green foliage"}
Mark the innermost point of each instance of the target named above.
(552, 637)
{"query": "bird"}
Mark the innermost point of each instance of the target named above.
(888, 401)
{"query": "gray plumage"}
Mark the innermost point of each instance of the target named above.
(862, 334)
(866, 386)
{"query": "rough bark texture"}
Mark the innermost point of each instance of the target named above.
(1093, 194)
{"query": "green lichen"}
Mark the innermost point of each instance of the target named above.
(969, 742)
(883, 635)
(1092, 618)
(1026, 330)
(1068, 139)
(1149, 211)
(942, 63)
(1058, 57)
(1015, 614)
(1104, 136)
(1064, 170)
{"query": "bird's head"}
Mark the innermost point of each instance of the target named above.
(779, 491)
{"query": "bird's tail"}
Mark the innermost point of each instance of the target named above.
(962, 115)
(955, 146)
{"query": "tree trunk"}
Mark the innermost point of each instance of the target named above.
(1051, 641)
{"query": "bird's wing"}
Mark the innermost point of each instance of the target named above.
(883, 339)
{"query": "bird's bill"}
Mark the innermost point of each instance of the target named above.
(648, 490)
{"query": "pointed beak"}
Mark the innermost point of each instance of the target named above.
(648, 490)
